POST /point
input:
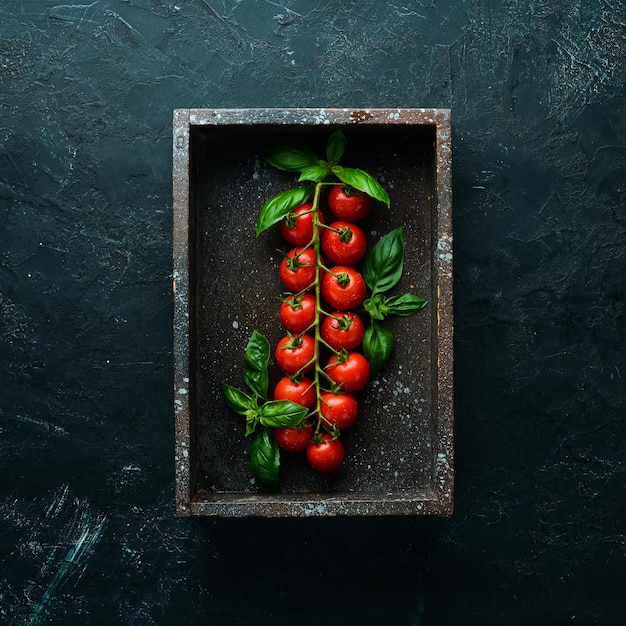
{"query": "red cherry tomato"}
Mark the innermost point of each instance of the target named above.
(294, 439)
(342, 330)
(327, 455)
(339, 409)
(352, 374)
(295, 353)
(298, 226)
(297, 269)
(343, 243)
(349, 204)
(343, 287)
(297, 313)
(301, 392)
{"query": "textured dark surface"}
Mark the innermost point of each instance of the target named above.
(88, 532)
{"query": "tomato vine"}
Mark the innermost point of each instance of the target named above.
(317, 359)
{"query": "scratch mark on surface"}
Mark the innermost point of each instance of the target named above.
(53, 428)
(58, 501)
(78, 552)
(590, 57)
(60, 542)
(240, 34)
(67, 12)
(129, 36)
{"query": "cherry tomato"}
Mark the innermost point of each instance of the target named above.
(327, 455)
(298, 226)
(297, 269)
(340, 409)
(343, 243)
(349, 204)
(342, 330)
(301, 392)
(295, 353)
(294, 439)
(352, 374)
(343, 287)
(297, 313)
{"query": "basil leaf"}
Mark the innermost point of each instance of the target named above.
(282, 414)
(380, 306)
(280, 205)
(362, 181)
(291, 157)
(377, 346)
(382, 267)
(252, 419)
(255, 362)
(314, 173)
(335, 147)
(265, 457)
(405, 305)
(237, 400)
(374, 306)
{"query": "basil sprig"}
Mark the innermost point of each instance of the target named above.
(302, 160)
(262, 415)
(382, 270)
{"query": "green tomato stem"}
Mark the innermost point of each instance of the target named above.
(320, 377)
(318, 304)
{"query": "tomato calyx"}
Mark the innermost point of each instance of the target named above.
(340, 356)
(345, 234)
(350, 191)
(344, 322)
(343, 279)
(325, 435)
(293, 300)
(293, 261)
(296, 378)
(291, 219)
(295, 341)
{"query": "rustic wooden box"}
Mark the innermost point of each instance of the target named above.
(400, 452)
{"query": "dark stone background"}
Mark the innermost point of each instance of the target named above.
(87, 530)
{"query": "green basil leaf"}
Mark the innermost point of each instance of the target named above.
(265, 457)
(405, 304)
(237, 400)
(280, 205)
(252, 419)
(377, 346)
(291, 157)
(255, 362)
(314, 173)
(374, 306)
(362, 181)
(335, 147)
(382, 267)
(282, 414)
